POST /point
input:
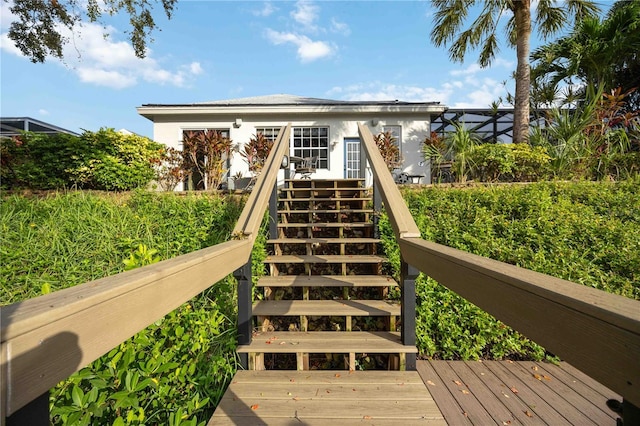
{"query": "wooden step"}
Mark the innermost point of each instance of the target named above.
(347, 258)
(326, 308)
(331, 211)
(327, 225)
(326, 199)
(324, 241)
(327, 281)
(327, 342)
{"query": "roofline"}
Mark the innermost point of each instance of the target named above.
(151, 110)
(42, 124)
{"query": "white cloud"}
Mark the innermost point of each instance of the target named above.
(267, 10)
(471, 69)
(378, 91)
(43, 112)
(103, 61)
(306, 13)
(475, 68)
(308, 50)
(6, 17)
(478, 93)
(340, 27)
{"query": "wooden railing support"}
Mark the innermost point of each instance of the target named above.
(35, 413)
(630, 413)
(273, 213)
(409, 274)
(245, 303)
(377, 209)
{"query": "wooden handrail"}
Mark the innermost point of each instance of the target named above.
(399, 216)
(46, 339)
(596, 331)
(250, 219)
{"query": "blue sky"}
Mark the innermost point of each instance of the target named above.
(212, 50)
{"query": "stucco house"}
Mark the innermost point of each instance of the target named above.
(322, 128)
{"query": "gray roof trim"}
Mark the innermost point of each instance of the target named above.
(289, 100)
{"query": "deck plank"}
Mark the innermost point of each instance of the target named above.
(589, 402)
(472, 408)
(327, 341)
(326, 307)
(451, 410)
(329, 258)
(483, 394)
(327, 281)
(503, 393)
(322, 397)
(537, 404)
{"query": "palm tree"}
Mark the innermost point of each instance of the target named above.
(550, 17)
(597, 52)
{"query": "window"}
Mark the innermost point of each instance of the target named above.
(396, 132)
(311, 142)
(270, 133)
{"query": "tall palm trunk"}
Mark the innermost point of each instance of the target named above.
(522, 11)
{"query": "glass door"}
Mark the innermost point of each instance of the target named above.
(351, 158)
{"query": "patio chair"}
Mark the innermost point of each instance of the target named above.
(306, 167)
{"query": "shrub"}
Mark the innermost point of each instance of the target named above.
(105, 160)
(587, 232)
(509, 163)
(174, 371)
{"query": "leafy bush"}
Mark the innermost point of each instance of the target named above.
(509, 163)
(587, 232)
(105, 160)
(176, 370)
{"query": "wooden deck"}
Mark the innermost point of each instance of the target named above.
(514, 393)
(440, 392)
(327, 397)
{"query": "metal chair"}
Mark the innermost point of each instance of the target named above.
(306, 167)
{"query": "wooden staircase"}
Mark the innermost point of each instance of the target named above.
(326, 302)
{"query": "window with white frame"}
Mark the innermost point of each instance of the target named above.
(396, 133)
(312, 142)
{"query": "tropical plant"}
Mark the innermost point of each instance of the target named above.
(388, 147)
(551, 16)
(597, 52)
(169, 169)
(256, 151)
(461, 143)
(586, 141)
(205, 153)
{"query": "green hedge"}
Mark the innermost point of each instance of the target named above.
(104, 160)
(586, 232)
(174, 371)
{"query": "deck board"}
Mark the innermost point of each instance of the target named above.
(564, 397)
(326, 307)
(322, 397)
(327, 281)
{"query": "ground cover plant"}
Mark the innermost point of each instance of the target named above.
(585, 232)
(174, 371)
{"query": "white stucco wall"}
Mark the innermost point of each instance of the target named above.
(415, 127)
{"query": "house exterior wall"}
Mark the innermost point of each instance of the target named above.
(168, 129)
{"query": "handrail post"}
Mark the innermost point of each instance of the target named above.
(245, 307)
(377, 209)
(273, 213)
(34, 413)
(408, 276)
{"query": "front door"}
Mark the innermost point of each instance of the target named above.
(352, 158)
